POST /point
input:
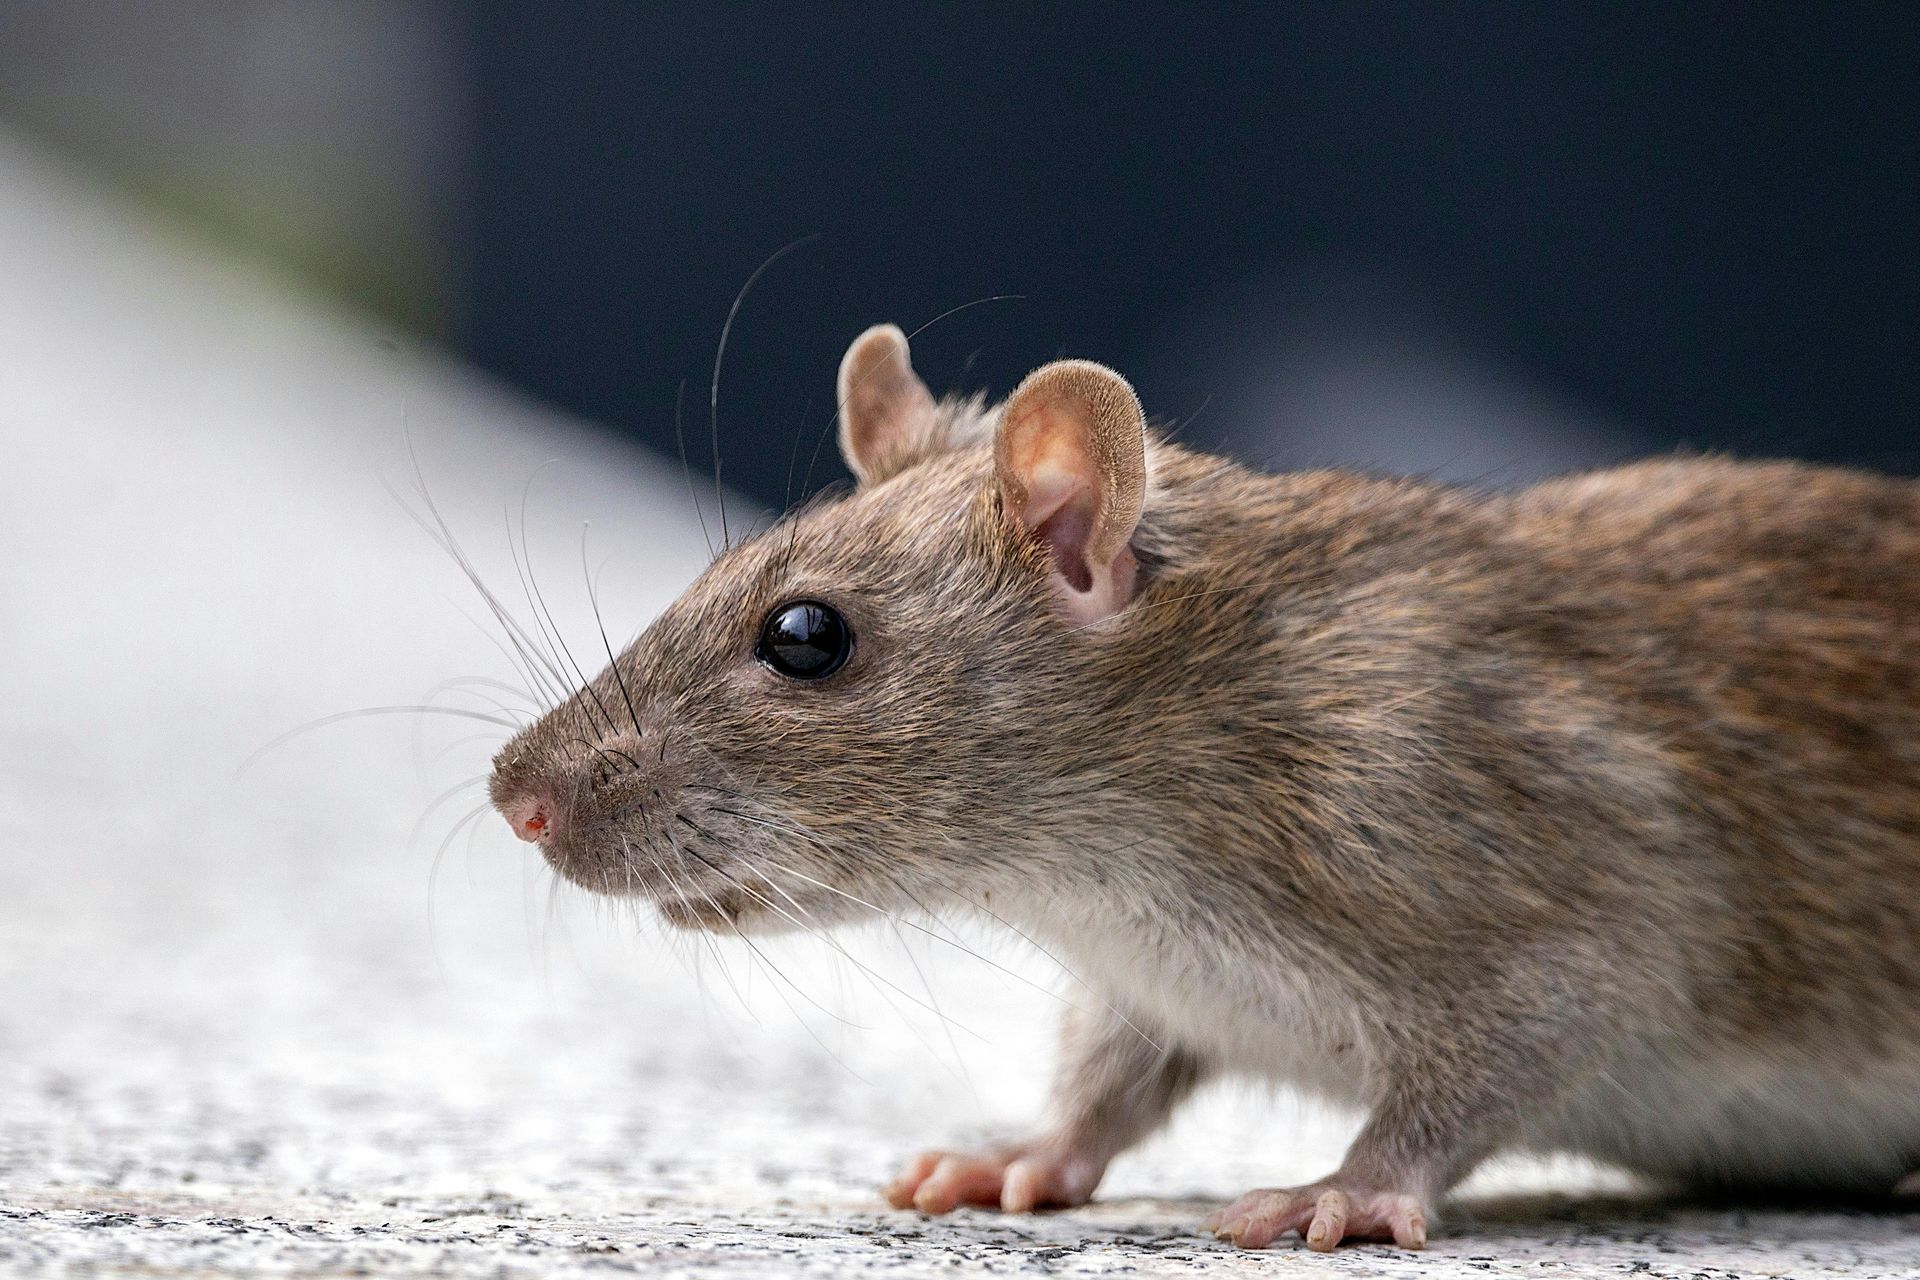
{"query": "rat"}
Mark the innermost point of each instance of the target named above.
(1580, 818)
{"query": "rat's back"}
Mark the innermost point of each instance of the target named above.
(1757, 620)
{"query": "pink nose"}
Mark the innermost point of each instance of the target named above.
(530, 819)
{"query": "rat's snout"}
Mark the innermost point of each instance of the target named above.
(531, 817)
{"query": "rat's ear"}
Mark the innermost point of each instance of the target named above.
(887, 417)
(1070, 457)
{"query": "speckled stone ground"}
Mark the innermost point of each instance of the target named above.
(299, 1018)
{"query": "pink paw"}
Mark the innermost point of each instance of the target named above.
(1324, 1214)
(1014, 1180)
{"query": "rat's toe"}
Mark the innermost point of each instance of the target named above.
(1325, 1214)
(1329, 1223)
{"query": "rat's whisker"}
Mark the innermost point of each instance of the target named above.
(488, 701)
(772, 906)
(952, 938)
(1064, 967)
(629, 759)
(602, 753)
(799, 832)
(520, 553)
(679, 891)
(840, 406)
(613, 663)
(435, 804)
(705, 939)
(719, 356)
(537, 602)
(554, 886)
(960, 946)
(467, 820)
(793, 453)
(553, 628)
(686, 468)
(361, 712)
(441, 533)
(464, 740)
(946, 1029)
(832, 942)
(797, 1015)
(767, 960)
(538, 695)
(726, 915)
(474, 687)
(485, 682)
(931, 1004)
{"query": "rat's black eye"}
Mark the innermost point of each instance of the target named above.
(804, 640)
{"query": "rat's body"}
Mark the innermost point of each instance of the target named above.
(1633, 757)
(1584, 818)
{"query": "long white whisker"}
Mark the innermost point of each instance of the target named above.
(433, 882)
(361, 712)
(433, 806)
(873, 979)
(719, 961)
(441, 533)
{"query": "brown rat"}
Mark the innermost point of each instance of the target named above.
(1582, 818)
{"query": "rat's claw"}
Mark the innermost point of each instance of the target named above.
(958, 1180)
(1408, 1219)
(899, 1192)
(1021, 1187)
(1324, 1214)
(1258, 1218)
(1329, 1221)
(1015, 1180)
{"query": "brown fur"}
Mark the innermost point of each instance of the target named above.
(1518, 796)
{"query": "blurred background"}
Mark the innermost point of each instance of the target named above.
(278, 993)
(1481, 240)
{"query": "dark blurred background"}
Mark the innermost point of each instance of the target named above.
(1480, 240)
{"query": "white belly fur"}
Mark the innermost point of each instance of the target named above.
(1703, 1120)
(1694, 1119)
(1249, 1019)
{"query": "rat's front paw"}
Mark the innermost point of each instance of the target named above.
(1324, 1213)
(1014, 1179)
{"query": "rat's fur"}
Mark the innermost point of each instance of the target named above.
(1580, 818)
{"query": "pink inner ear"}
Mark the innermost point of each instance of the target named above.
(1060, 509)
(1066, 532)
(1068, 455)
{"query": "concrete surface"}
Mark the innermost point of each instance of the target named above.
(301, 1018)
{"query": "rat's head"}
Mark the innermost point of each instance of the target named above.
(873, 700)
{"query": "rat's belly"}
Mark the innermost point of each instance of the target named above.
(1740, 1122)
(1254, 1019)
